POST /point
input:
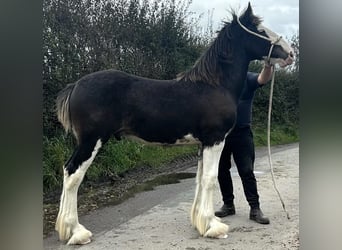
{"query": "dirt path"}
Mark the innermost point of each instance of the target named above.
(159, 219)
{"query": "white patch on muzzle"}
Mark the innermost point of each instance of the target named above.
(286, 47)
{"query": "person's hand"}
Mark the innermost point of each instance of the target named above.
(266, 73)
(268, 64)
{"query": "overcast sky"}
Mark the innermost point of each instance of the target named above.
(281, 16)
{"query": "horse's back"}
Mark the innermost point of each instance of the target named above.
(103, 100)
(162, 111)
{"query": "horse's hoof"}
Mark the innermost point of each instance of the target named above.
(223, 236)
(81, 236)
(217, 230)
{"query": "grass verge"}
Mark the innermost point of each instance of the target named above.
(279, 135)
(117, 157)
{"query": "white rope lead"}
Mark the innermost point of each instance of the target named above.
(269, 144)
(254, 33)
(273, 42)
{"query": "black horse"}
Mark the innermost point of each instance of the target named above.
(198, 106)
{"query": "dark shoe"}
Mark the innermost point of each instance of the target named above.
(225, 211)
(256, 215)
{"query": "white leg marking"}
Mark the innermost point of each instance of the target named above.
(198, 193)
(205, 221)
(67, 223)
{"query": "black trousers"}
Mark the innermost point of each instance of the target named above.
(240, 144)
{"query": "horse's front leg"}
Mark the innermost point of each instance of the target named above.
(205, 220)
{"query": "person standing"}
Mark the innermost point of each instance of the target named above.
(240, 144)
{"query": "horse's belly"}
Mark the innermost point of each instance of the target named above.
(186, 140)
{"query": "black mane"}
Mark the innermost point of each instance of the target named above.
(207, 68)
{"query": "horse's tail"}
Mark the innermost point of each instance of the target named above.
(63, 106)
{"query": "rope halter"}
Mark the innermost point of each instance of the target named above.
(272, 41)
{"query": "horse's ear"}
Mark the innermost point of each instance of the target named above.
(248, 16)
(249, 9)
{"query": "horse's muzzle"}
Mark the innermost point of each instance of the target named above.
(289, 60)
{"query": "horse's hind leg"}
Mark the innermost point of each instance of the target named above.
(198, 192)
(67, 223)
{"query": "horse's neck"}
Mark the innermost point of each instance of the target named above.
(234, 76)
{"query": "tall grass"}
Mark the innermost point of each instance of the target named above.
(117, 157)
(55, 152)
(279, 135)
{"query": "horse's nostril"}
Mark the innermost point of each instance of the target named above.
(291, 54)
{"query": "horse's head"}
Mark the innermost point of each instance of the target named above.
(261, 42)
